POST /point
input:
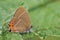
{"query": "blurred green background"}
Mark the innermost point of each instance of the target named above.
(44, 16)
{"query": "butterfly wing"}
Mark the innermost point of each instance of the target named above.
(20, 22)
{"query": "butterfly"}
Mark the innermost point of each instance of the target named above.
(20, 21)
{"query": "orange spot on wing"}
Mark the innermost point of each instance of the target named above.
(11, 27)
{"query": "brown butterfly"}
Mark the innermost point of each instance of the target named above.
(20, 21)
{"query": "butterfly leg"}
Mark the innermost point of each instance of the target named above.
(23, 33)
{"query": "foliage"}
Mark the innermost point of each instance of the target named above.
(44, 16)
